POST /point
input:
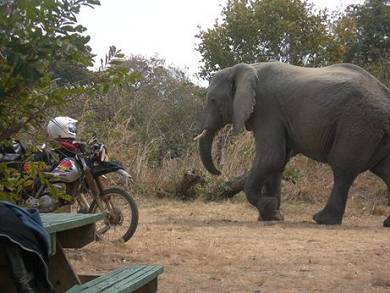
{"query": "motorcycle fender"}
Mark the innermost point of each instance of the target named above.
(125, 175)
(108, 167)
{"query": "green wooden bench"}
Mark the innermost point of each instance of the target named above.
(69, 230)
(75, 231)
(137, 278)
(66, 230)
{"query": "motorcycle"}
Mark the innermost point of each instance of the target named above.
(81, 170)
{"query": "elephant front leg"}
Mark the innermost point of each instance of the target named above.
(268, 202)
(333, 212)
(271, 157)
(272, 188)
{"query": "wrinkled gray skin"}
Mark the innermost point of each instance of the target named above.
(338, 115)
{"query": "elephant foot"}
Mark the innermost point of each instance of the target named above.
(268, 209)
(323, 217)
(386, 223)
(277, 216)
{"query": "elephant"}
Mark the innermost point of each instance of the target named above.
(337, 114)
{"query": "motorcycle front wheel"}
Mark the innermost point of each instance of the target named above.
(120, 215)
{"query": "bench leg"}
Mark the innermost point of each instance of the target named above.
(150, 287)
(61, 273)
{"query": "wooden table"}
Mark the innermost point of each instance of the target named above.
(67, 230)
(72, 230)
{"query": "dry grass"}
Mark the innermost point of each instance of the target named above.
(220, 247)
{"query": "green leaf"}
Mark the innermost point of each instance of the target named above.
(30, 49)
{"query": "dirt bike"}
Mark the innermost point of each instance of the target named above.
(81, 169)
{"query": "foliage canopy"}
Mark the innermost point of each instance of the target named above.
(370, 46)
(266, 30)
(292, 31)
(34, 37)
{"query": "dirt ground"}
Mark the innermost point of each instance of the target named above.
(220, 247)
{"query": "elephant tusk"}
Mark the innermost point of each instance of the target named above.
(203, 134)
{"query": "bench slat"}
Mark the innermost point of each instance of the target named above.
(138, 280)
(115, 275)
(56, 222)
(108, 280)
(125, 279)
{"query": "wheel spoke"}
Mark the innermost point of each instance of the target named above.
(103, 230)
(121, 216)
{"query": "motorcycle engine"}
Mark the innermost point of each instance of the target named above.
(44, 204)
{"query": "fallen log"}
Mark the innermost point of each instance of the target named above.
(230, 188)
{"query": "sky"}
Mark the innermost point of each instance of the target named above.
(165, 29)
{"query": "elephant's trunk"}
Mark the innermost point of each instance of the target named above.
(205, 146)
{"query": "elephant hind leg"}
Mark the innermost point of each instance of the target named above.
(386, 223)
(382, 170)
(333, 212)
(357, 146)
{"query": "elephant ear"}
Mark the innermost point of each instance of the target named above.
(245, 80)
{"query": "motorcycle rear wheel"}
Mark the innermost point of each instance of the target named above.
(118, 224)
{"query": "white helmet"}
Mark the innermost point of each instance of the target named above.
(62, 127)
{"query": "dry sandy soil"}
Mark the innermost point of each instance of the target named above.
(220, 247)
